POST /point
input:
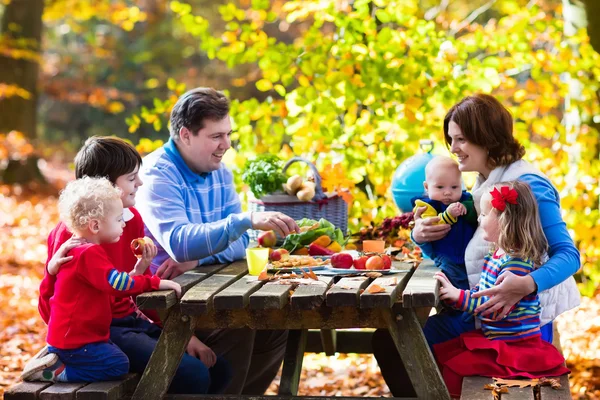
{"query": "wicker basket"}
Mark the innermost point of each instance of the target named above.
(331, 206)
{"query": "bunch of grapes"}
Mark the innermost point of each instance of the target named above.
(389, 230)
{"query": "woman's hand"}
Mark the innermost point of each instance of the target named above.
(447, 291)
(509, 290)
(427, 229)
(171, 268)
(60, 257)
(201, 351)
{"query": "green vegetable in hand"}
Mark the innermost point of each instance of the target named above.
(263, 175)
(297, 240)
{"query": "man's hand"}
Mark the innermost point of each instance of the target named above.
(60, 257)
(170, 268)
(507, 292)
(427, 229)
(201, 351)
(149, 251)
(456, 209)
(447, 291)
(270, 220)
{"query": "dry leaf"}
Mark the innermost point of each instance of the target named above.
(489, 386)
(375, 289)
(552, 382)
(263, 276)
(373, 275)
(521, 383)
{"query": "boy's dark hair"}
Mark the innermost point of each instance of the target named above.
(195, 106)
(484, 121)
(106, 157)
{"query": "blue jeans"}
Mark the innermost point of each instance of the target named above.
(102, 361)
(138, 337)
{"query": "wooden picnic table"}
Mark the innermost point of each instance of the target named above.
(225, 296)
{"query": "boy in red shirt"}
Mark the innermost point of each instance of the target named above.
(200, 370)
(80, 310)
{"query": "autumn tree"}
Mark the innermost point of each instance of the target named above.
(359, 88)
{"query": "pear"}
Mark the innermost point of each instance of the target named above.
(293, 184)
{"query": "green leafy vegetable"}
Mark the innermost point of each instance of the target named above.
(297, 240)
(263, 175)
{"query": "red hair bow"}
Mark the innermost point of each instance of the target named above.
(503, 196)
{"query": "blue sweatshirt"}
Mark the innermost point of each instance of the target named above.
(191, 216)
(564, 257)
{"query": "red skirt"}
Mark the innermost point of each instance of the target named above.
(472, 354)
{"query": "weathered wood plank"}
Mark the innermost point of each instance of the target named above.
(547, 393)
(346, 291)
(392, 284)
(526, 393)
(237, 295)
(273, 295)
(311, 295)
(328, 341)
(408, 337)
(422, 288)
(292, 362)
(110, 390)
(472, 388)
(26, 391)
(164, 299)
(199, 298)
(61, 391)
(288, 318)
(177, 332)
(346, 341)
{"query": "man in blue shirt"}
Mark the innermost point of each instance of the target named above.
(193, 213)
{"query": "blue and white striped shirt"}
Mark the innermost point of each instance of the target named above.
(191, 216)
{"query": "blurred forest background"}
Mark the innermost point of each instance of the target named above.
(351, 85)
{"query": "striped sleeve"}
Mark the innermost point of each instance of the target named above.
(467, 303)
(120, 280)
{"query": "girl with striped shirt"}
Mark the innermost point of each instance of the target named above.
(511, 346)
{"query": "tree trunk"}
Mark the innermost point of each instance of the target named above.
(21, 23)
(22, 19)
(592, 8)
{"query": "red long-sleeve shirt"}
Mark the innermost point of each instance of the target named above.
(119, 253)
(80, 310)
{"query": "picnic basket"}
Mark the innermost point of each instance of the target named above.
(330, 206)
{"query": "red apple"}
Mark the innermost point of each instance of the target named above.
(267, 239)
(279, 254)
(341, 260)
(137, 245)
(360, 262)
(374, 262)
(387, 261)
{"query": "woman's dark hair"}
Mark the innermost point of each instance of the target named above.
(486, 123)
(106, 157)
(195, 106)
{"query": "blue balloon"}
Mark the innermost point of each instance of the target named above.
(408, 179)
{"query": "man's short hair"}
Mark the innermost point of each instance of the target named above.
(86, 199)
(106, 157)
(196, 106)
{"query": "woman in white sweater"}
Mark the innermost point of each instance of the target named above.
(479, 132)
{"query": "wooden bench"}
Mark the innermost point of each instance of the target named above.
(473, 389)
(109, 390)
